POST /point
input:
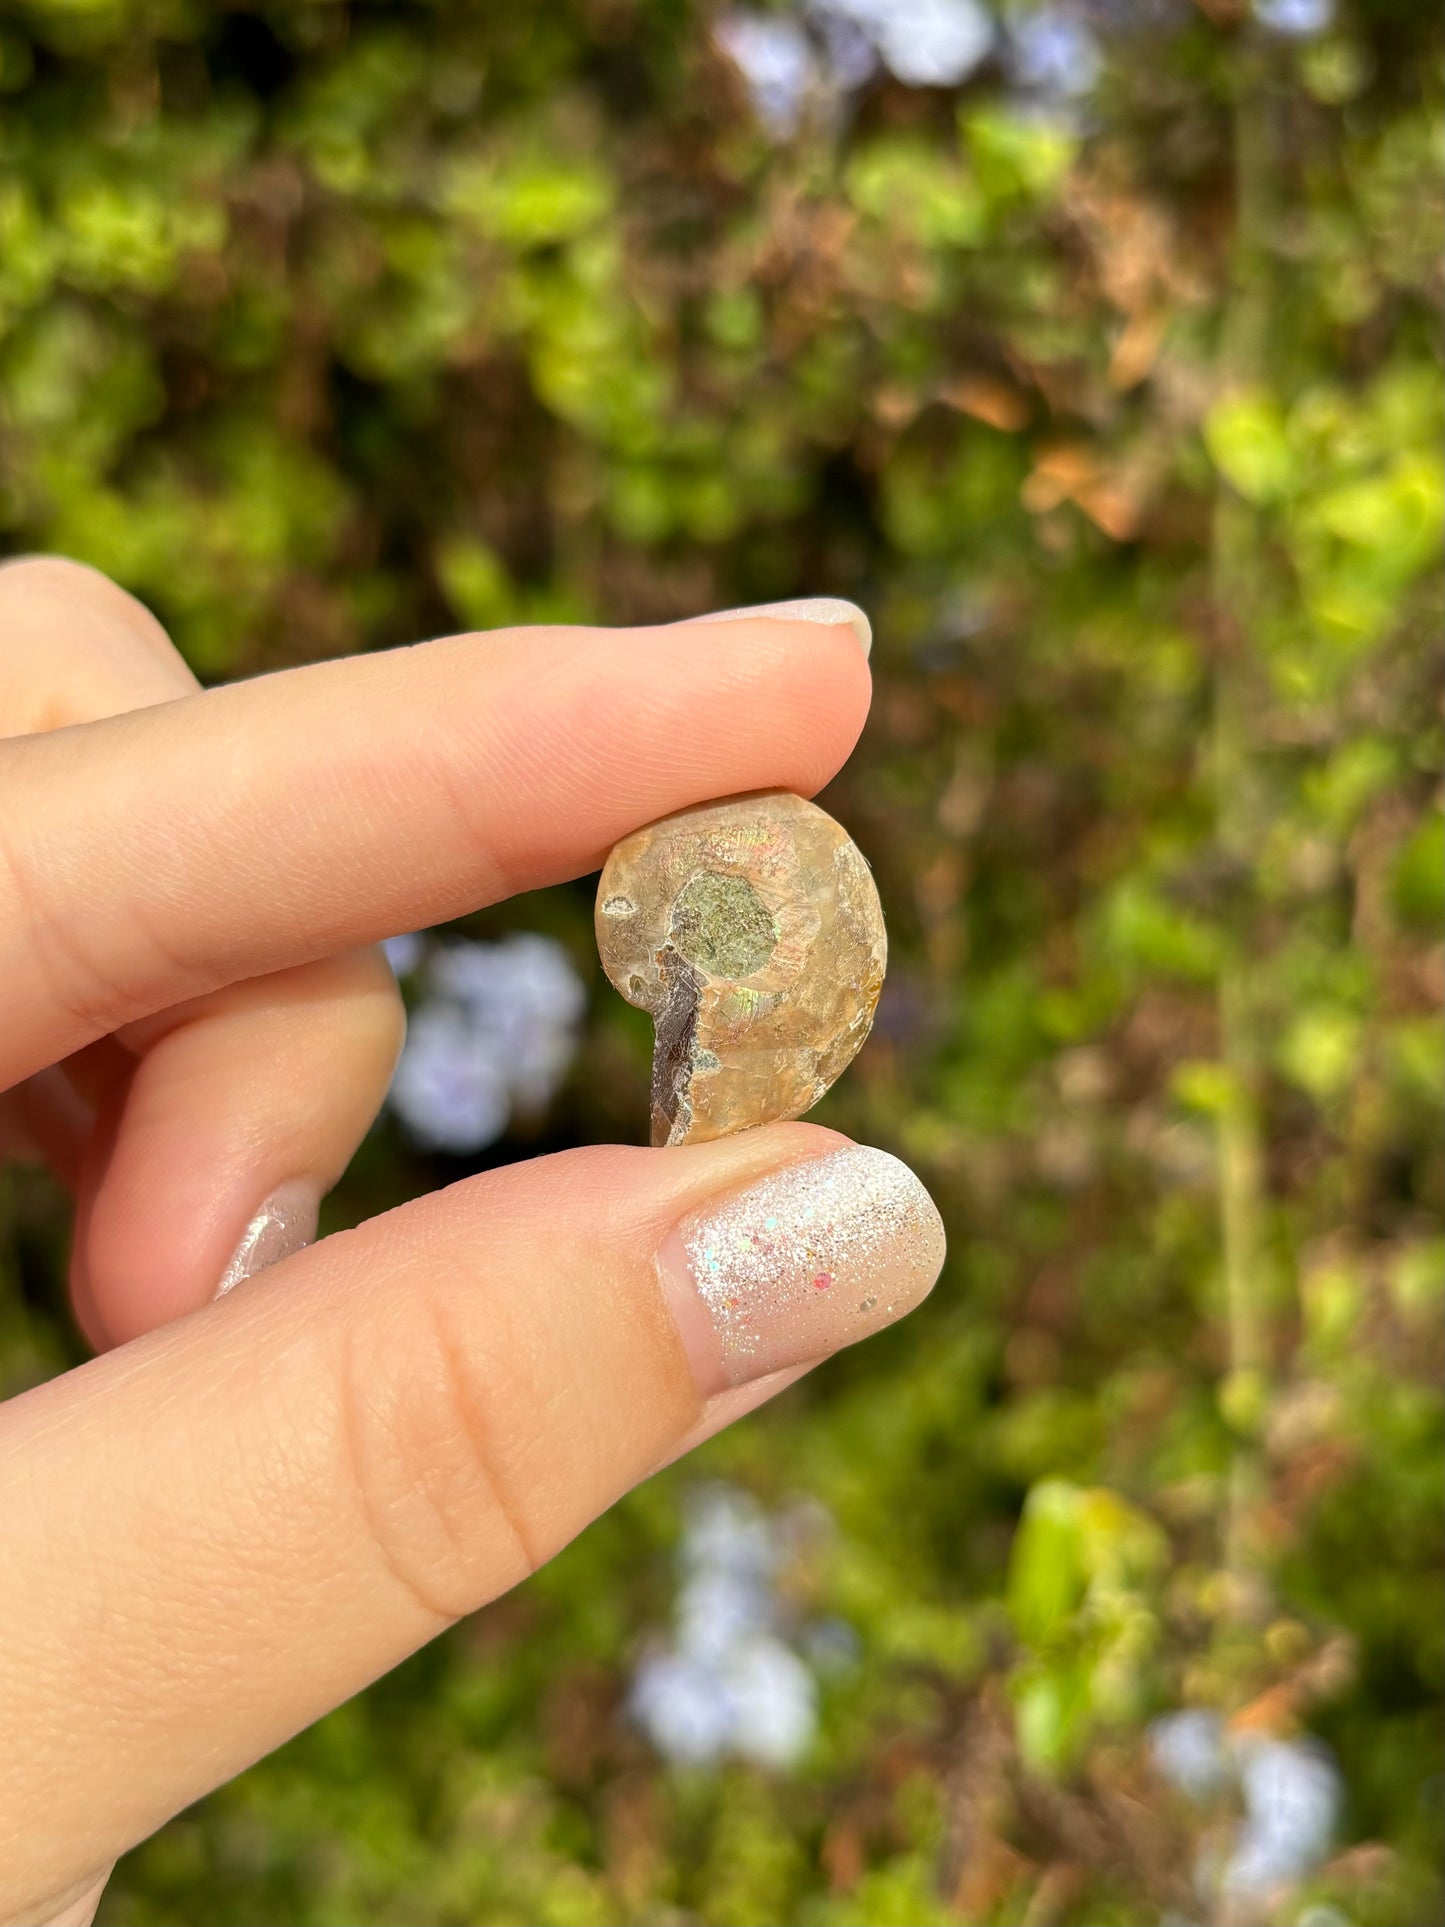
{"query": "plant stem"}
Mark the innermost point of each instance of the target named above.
(1235, 573)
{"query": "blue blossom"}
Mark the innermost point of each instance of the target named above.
(774, 1701)
(685, 1707)
(449, 1089)
(727, 1681)
(494, 1034)
(839, 44)
(849, 53)
(1189, 1750)
(1292, 1798)
(727, 1531)
(775, 58)
(931, 43)
(1299, 19)
(524, 997)
(718, 1608)
(1054, 53)
(1291, 1792)
(923, 43)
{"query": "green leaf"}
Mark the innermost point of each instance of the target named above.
(531, 199)
(1418, 883)
(1016, 155)
(1246, 438)
(1398, 514)
(1047, 1572)
(475, 581)
(1051, 1704)
(908, 187)
(1320, 1050)
(1148, 935)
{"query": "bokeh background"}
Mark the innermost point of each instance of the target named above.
(1094, 347)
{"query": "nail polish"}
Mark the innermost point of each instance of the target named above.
(829, 610)
(284, 1225)
(799, 1264)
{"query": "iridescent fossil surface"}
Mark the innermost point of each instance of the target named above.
(751, 930)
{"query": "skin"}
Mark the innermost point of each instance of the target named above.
(243, 1511)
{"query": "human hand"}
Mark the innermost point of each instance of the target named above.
(252, 1505)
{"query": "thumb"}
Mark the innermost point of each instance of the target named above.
(225, 1528)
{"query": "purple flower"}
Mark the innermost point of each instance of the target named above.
(848, 49)
(1292, 1798)
(1291, 1791)
(925, 43)
(728, 1531)
(524, 998)
(683, 1706)
(774, 1702)
(727, 1682)
(1054, 53)
(449, 1089)
(496, 1033)
(718, 1609)
(1299, 19)
(775, 58)
(1189, 1751)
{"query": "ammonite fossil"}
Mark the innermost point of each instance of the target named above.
(751, 930)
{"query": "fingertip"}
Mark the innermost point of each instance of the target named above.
(228, 1133)
(283, 1224)
(825, 610)
(816, 673)
(810, 1257)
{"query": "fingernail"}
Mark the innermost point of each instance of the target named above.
(827, 609)
(284, 1224)
(799, 1264)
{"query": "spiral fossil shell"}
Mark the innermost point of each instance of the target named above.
(751, 930)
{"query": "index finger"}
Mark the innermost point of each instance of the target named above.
(152, 857)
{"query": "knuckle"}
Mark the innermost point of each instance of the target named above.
(78, 984)
(19, 571)
(436, 1500)
(362, 986)
(60, 578)
(19, 574)
(451, 771)
(75, 646)
(379, 1031)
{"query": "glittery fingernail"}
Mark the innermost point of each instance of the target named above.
(283, 1225)
(807, 1260)
(831, 610)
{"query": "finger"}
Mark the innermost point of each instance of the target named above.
(77, 1907)
(241, 1114)
(248, 1103)
(45, 1118)
(74, 647)
(224, 1529)
(155, 857)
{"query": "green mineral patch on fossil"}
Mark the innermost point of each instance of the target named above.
(722, 925)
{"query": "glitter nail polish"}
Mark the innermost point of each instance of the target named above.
(799, 1264)
(285, 1223)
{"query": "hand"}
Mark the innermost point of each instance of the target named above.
(256, 1504)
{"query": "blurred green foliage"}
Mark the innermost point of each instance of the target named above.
(325, 325)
